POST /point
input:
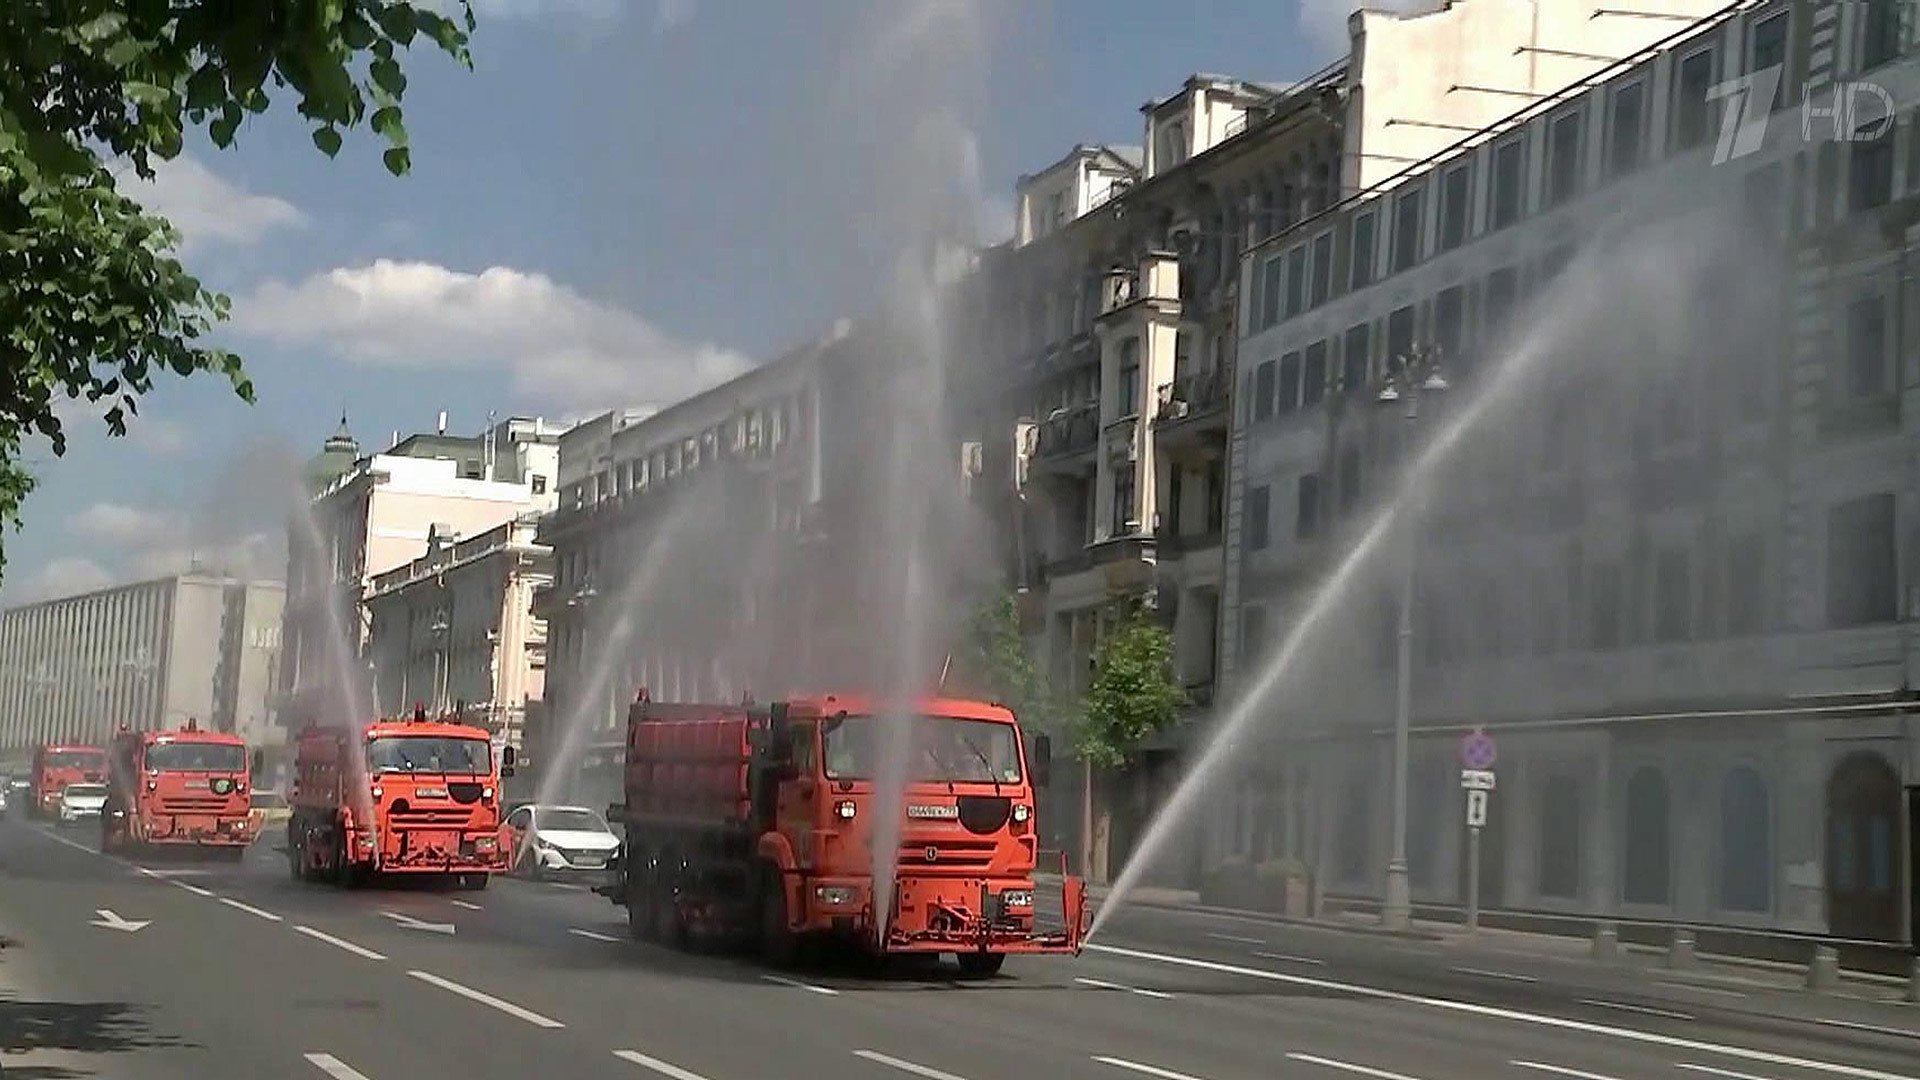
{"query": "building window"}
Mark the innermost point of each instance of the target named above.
(1306, 518)
(1502, 297)
(1563, 159)
(1449, 327)
(1257, 518)
(1263, 391)
(1746, 842)
(1400, 333)
(1649, 869)
(1322, 269)
(1691, 110)
(1746, 586)
(1123, 490)
(1353, 359)
(1770, 51)
(1673, 589)
(1603, 606)
(1509, 183)
(1313, 376)
(1880, 31)
(1296, 282)
(1626, 140)
(1455, 204)
(1560, 837)
(1862, 579)
(1289, 383)
(1871, 167)
(1128, 391)
(1362, 250)
(1406, 230)
(539, 484)
(1271, 280)
(1867, 367)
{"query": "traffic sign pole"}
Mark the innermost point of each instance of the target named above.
(1473, 877)
(1477, 756)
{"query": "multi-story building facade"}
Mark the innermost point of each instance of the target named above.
(1661, 558)
(454, 630)
(150, 654)
(374, 513)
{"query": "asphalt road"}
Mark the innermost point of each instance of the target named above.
(235, 971)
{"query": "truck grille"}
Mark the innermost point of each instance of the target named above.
(193, 804)
(954, 854)
(431, 817)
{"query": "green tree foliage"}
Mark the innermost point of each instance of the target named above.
(1133, 693)
(993, 663)
(93, 303)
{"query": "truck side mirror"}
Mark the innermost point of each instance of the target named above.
(509, 757)
(259, 762)
(1042, 760)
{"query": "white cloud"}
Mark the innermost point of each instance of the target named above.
(123, 526)
(64, 577)
(157, 436)
(208, 209)
(259, 556)
(559, 347)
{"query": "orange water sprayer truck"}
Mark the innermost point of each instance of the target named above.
(55, 765)
(186, 788)
(759, 822)
(410, 796)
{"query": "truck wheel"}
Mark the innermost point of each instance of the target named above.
(778, 943)
(668, 928)
(637, 895)
(473, 882)
(981, 965)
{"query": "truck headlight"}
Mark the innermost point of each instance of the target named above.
(1017, 898)
(1021, 812)
(845, 809)
(835, 895)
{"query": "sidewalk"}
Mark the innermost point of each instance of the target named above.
(1707, 969)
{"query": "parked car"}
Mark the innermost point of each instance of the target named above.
(6, 794)
(19, 795)
(82, 802)
(268, 808)
(560, 841)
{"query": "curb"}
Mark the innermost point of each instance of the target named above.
(1101, 895)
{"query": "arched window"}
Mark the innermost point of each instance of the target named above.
(1560, 837)
(1746, 842)
(1647, 841)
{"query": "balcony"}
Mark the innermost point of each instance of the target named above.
(1192, 411)
(1066, 440)
(1127, 562)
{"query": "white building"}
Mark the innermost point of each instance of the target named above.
(148, 655)
(372, 514)
(1668, 573)
(454, 630)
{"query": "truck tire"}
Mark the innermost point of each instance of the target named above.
(981, 965)
(669, 928)
(637, 895)
(474, 882)
(778, 943)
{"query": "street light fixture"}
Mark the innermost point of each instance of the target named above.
(1411, 377)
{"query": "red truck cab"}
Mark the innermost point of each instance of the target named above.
(187, 787)
(412, 796)
(56, 765)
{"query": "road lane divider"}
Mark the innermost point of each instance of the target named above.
(188, 886)
(796, 984)
(74, 844)
(1289, 958)
(1348, 1066)
(1487, 974)
(1561, 1070)
(339, 943)
(1711, 1071)
(1698, 989)
(1494, 1012)
(238, 905)
(1878, 1029)
(591, 935)
(335, 1068)
(1643, 1010)
(1143, 1069)
(908, 1067)
(484, 998)
(658, 1066)
(467, 904)
(1101, 984)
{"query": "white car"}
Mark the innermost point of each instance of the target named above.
(556, 841)
(81, 802)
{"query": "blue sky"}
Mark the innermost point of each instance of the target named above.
(625, 201)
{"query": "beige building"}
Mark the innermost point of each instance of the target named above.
(150, 654)
(374, 513)
(455, 628)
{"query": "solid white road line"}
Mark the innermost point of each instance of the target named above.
(1348, 1066)
(1643, 1010)
(1560, 1070)
(592, 935)
(798, 985)
(469, 905)
(1711, 1071)
(1699, 989)
(661, 1067)
(338, 943)
(74, 844)
(1145, 1070)
(249, 909)
(189, 886)
(334, 1067)
(1287, 958)
(567, 885)
(1485, 974)
(1236, 938)
(1905, 1033)
(905, 1066)
(1100, 984)
(486, 999)
(1561, 1023)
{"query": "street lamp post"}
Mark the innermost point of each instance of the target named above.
(442, 630)
(1411, 377)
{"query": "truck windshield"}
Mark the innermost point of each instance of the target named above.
(429, 753)
(942, 749)
(196, 757)
(75, 759)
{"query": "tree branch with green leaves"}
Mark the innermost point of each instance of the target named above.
(1133, 693)
(994, 662)
(93, 302)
